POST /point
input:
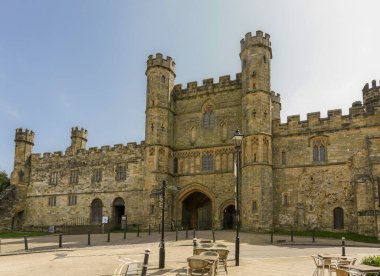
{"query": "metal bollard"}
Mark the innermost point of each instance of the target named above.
(138, 230)
(60, 241)
(145, 264)
(125, 233)
(108, 236)
(213, 235)
(194, 245)
(89, 238)
(291, 235)
(0, 245)
(149, 230)
(194, 233)
(187, 232)
(343, 246)
(26, 242)
(313, 236)
(176, 234)
(271, 237)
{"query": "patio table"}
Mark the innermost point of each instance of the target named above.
(362, 269)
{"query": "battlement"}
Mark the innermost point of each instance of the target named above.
(24, 136)
(275, 97)
(79, 133)
(259, 39)
(367, 89)
(357, 116)
(208, 86)
(159, 61)
(371, 97)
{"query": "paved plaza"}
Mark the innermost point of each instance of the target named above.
(257, 257)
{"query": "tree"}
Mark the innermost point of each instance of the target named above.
(4, 181)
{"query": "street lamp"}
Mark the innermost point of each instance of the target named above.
(237, 138)
(161, 262)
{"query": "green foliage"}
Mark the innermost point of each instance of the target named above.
(326, 234)
(4, 235)
(371, 260)
(4, 181)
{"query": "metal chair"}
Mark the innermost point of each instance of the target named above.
(319, 264)
(336, 264)
(223, 253)
(214, 254)
(199, 267)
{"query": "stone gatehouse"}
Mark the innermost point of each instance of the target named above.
(319, 173)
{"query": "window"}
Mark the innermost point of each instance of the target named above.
(209, 119)
(121, 172)
(207, 163)
(96, 176)
(266, 150)
(285, 200)
(255, 149)
(151, 209)
(54, 178)
(163, 79)
(254, 206)
(175, 165)
(338, 218)
(74, 176)
(319, 151)
(283, 158)
(72, 200)
(52, 201)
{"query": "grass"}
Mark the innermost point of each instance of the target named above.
(4, 235)
(326, 234)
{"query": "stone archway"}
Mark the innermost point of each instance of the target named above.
(229, 217)
(118, 210)
(96, 211)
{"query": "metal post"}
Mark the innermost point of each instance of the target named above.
(343, 246)
(60, 241)
(313, 235)
(291, 234)
(194, 233)
(125, 233)
(26, 242)
(237, 241)
(176, 234)
(149, 230)
(213, 235)
(194, 245)
(187, 232)
(0, 245)
(108, 236)
(138, 230)
(162, 244)
(88, 238)
(271, 237)
(145, 264)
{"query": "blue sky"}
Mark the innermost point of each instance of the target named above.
(82, 63)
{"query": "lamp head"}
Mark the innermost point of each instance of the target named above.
(237, 138)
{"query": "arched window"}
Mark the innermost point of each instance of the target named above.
(175, 165)
(255, 149)
(338, 218)
(319, 150)
(212, 119)
(207, 163)
(209, 119)
(266, 150)
(206, 120)
(163, 79)
(96, 211)
(285, 200)
(315, 153)
(322, 155)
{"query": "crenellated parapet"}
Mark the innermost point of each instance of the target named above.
(159, 61)
(259, 39)
(79, 133)
(26, 136)
(371, 96)
(357, 117)
(275, 97)
(208, 86)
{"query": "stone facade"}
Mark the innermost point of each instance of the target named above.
(320, 173)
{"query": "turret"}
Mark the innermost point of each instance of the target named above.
(78, 139)
(371, 97)
(24, 142)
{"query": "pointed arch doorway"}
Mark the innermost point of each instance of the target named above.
(229, 217)
(118, 211)
(197, 211)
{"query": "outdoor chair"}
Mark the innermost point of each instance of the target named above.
(199, 267)
(319, 264)
(223, 253)
(335, 265)
(215, 254)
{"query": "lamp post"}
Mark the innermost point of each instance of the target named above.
(162, 244)
(237, 138)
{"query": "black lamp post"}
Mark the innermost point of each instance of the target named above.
(237, 138)
(162, 244)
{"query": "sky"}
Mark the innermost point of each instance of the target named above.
(82, 62)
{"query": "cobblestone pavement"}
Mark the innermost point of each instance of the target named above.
(257, 256)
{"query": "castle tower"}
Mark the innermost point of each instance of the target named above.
(371, 97)
(256, 185)
(160, 75)
(78, 139)
(24, 142)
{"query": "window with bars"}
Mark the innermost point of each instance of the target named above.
(72, 200)
(52, 201)
(121, 172)
(207, 163)
(53, 178)
(96, 176)
(74, 176)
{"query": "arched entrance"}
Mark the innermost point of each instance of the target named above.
(229, 217)
(197, 211)
(96, 211)
(118, 210)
